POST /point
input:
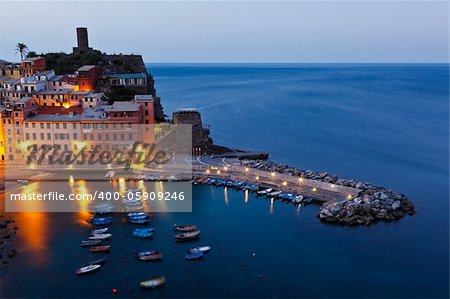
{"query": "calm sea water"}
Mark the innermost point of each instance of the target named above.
(386, 124)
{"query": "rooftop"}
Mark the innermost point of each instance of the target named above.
(143, 98)
(54, 92)
(31, 59)
(86, 68)
(57, 78)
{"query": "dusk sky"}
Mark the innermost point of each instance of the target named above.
(354, 31)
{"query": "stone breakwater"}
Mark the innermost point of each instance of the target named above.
(373, 203)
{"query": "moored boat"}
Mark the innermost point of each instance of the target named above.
(200, 249)
(99, 231)
(194, 256)
(275, 193)
(152, 283)
(101, 248)
(184, 228)
(262, 192)
(188, 236)
(100, 236)
(87, 269)
(86, 243)
(101, 221)
(139, 221)
(154, 256)
(143, 232)
(298, 199)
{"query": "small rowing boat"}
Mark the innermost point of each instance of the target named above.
(275, 193)
(100, 236)
(87, 269)
(86, 243)
(194, 256)
(184, 228)
(99, 231)
(139, 221)
(101, 248)
(101, 221)
(152, 283)
(200, 249)
(298, 199)
(154, 256)
(143, 232)
(188, 236)
(262, 192)
(138, 214)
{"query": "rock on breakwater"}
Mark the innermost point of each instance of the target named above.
(372, 206)
(373, 203)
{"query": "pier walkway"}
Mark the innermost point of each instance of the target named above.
(317, 190)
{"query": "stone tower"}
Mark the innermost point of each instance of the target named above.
(82, 41)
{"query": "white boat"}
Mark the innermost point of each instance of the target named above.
(134, 190)
(265, 191)
(275, 193)
(298, 199)
(153, 283)
(200, 249)
(24, 182)
(110, 174)
(100, 236)
(99, 231)
(87, 269)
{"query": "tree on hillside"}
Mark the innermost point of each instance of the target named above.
(22, 49)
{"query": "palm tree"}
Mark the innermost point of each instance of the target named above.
(22, 49)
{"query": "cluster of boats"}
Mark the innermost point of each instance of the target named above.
(98, 235)
(95, 244)
(270, 192)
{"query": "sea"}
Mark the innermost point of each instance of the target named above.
(386, 124)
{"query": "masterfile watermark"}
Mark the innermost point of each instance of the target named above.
(90, 166)
(138, 154)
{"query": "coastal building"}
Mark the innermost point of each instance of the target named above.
(86, 77)
(92, 99)
(49, 121)
(33, 65)
(11, 70)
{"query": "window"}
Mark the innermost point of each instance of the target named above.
(42, 136)
(34, 136)
(130, 136)
(107, 136)
(49, 136)
(74, 126)
(26, 125)
(42, 125)
(27, 136)
(99, 136)
(64, 126)
(57, 125)
(75, 136)
(92, 136)
(114, 136)
(33, 125)
(48, 125)
(122, 136)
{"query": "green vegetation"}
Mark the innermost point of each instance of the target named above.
(68, 63)
(22, 49)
